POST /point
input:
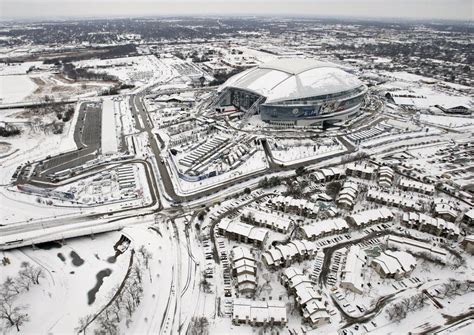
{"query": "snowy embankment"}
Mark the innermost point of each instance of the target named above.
(295, 155)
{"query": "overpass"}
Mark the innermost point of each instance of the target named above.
(26, 104)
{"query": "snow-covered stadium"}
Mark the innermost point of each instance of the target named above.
(295, 91)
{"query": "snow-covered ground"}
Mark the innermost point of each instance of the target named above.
(61, 298)
(15, 88)
(447, 121)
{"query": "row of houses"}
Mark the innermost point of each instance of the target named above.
(295, 206)
(445, 210)
(468, 217)
(327, 175)
(394, 264)
(307, 300)
(276, 221)
(417, 247)
(394, 200)
(385, 176)
(428, 224)
(361, 170)
(318, 229)
(242, 232)
(416, 186)
(259, 313)
(348, 195)
(244, 270)
(370, 217)
(352, 274)
(284, 255)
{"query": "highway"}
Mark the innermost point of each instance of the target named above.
(142, 124)
(21, 231)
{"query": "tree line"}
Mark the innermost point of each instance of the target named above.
(11, 313)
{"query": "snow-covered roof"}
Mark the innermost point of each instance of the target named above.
(353, 267)
(246, 309)
(395, 262)
(318, 228)
(293, 78)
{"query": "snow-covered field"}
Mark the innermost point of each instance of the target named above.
(61, 298)
(15, 88)
(447, 121)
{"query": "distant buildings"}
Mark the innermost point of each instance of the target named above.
(468, 217)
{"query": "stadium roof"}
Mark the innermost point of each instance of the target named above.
(293, 78)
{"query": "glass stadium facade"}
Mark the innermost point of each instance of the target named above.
(296, 91)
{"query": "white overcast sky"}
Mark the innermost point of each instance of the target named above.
(425, 9)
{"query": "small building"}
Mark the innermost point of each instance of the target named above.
(243, 232)
(468, 217)
(259, 313)
(385, 175)
(352, 271)
(394, 200)
(327, 175)
(370, 217)
(348, 195)
(416, 186)
(445, 210)
(361, 170)
(417, 247)
(291, 205)
(317, 229)
(283, 255)
(267, 219)
(394, 264)
(468, 244)
(307, 299)
(244, 269)
(430, 225)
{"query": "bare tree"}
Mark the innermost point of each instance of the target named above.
(107, 325)
(32, 273)
(198, 326)
(146, 255)
(9, 285)
(84, 323)
(23, 283)
(13, 315)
